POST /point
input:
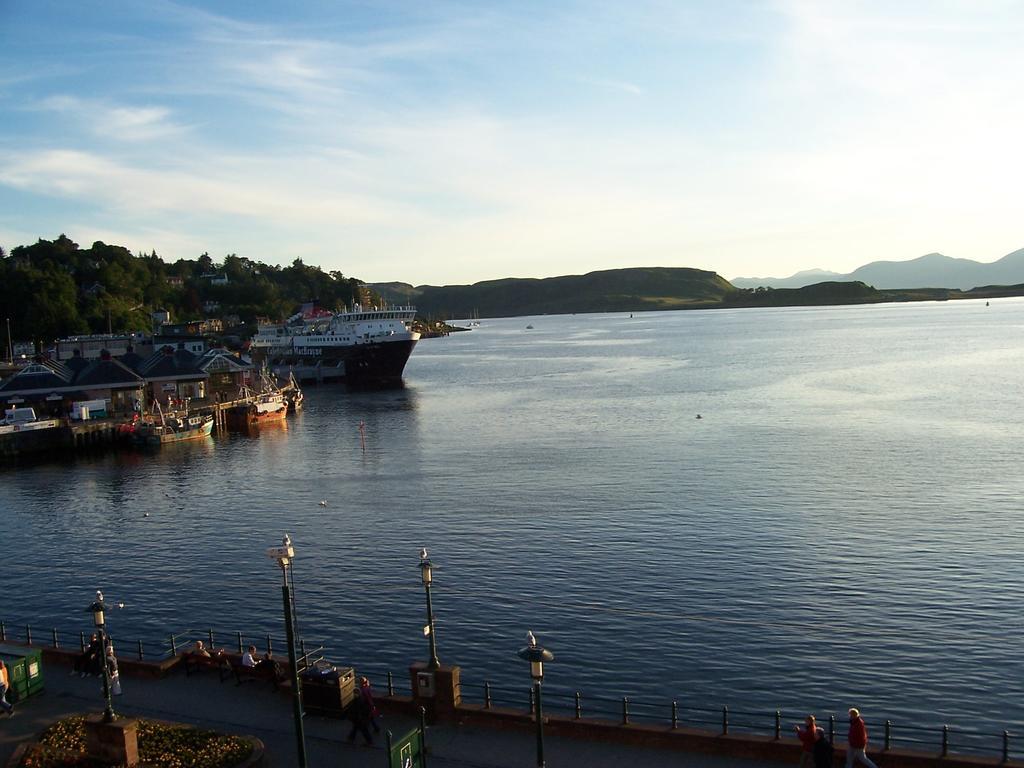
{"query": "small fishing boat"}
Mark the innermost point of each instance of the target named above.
(265, 407)
(173, 429)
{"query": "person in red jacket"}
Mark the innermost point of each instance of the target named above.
(858, 741)
(808, 736)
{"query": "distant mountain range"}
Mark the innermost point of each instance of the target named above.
(931, 271)
(930, 278)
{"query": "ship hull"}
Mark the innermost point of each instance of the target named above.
(359, 365)
(249, 417)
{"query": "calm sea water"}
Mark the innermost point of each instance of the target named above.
(841, 527)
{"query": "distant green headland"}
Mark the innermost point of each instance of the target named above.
(56, 288)
(647, 288)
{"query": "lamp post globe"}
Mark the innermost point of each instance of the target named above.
(536, 655)
(98, 608)
(427, 577)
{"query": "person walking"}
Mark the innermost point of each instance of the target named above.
(5, 682)
(808, 735)
(857, 741)
(367, 693)
(822, 751)
(360, 712)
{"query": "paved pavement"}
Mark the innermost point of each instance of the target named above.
(255, 710)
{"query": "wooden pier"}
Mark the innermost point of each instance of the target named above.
(97, 433)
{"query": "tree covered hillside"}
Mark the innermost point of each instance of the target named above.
(55, 288)
(613, 290)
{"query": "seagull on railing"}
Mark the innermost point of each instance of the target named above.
(530, 639)
(423, 553)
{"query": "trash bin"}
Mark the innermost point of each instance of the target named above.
(24, 670)
(328, 690)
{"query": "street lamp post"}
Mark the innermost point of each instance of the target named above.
(537, 655)
(426, 573)
(97, 609)
(284, 556)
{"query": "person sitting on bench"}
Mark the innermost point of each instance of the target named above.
(268, 666)
(249, 657)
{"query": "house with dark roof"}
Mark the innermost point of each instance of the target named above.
(132, 359)
(173, 374)
(34, 384)
(77, 362)
(227, 373)
(190, 334)
(51, 386)
(113, 381)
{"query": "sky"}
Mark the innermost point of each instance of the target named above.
(451, 142)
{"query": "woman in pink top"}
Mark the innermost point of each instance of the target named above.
(808, 735)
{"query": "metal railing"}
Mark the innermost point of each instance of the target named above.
(150, 650)
(624, 710)
(143, 650)
(942, 739)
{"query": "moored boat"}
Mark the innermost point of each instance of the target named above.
(265, 409)
(363, 346)
(173, 429)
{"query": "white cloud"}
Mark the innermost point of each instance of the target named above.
(844, 131)
(110, 121)
(265, 191)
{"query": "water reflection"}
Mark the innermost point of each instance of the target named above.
(574, 492)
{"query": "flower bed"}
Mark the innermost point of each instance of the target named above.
(161, 745)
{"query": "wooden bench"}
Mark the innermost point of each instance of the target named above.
(271, 672)
(197, 662)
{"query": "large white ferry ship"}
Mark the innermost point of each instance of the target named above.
(361, 346)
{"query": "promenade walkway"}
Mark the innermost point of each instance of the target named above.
(255, 710)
